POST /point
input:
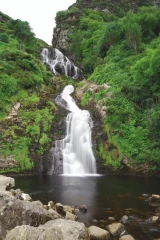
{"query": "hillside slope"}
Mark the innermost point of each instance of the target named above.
(121, 51)
(27, 110)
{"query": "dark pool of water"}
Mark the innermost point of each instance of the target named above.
(104, 196)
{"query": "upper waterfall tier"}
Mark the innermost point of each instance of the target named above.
(76, 147)
(60, 64)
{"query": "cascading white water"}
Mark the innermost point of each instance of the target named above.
(55, 59)
(76, 147)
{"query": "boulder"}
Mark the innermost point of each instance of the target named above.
(153, 219)
(71, 216)
(46, 207)
(26, 197)
(124, 219)
(59, 229)
(5, 198)
(83, 208)
(154, 200)
(70, 209)
(112, 219)
(126, 237)
(6, 182)
(60, 209)
(116, 229)
(96, 233)
(51, 204)
(18, 212)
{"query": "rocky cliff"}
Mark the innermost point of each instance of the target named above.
(68, 20)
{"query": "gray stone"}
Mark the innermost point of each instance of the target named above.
(26, 197)
(153, 219)
(59, 229)
(83, 208)
(6, 182)
(124, 219)
(51, 204)
(71, 216)
(154, 200)
(32, 233)
(70, 209)
(8, 162)
(18, 212)
(116, 229)
(59, 208)
(126, 237)
(96, 233)
(46, 207)
(111, 219)
(5, 198)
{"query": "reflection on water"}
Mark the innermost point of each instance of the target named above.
(104, 196)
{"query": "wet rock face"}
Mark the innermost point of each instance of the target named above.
(60, 64)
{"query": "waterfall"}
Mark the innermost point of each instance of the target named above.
(76, 147)
(60, 64)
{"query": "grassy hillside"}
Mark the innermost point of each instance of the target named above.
(23, 80)
(124, 52)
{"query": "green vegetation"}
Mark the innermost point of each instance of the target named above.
(23, 79)
(124, 52)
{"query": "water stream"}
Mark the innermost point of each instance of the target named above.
(76, 147)
(60, 64)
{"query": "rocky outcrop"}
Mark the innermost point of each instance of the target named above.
(94, 88)
(68, 20)
(52, 230)
(6, 182)
(18, 209)
(8, 162)
(24, 212)
(14, 111)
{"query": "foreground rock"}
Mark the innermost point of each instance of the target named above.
(153, 219)
(126, 237)
(59, 229)
(5, 196)
(116, 229)
(96, 233)
(6, 182)
(83, 208)
(71, 216)
(18, 212)
(154, 200)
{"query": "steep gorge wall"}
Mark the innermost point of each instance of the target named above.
(69, 20)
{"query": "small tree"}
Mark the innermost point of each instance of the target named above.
(132, 30)
(133, 34)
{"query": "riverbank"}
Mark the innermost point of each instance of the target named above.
(122, 210)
